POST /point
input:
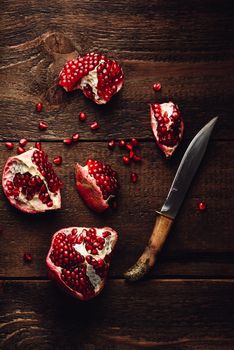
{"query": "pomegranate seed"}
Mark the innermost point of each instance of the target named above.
(134, 142)
(58, 160)
(42, 125)
(202, 206)
(111, 144)
(94, 126)
(67, 141)
(82, 116)
(137, 158)
(122, 143)
(20, 150)
(126, 160)
(9, 145)
(129, 146)
(27, 257)
(75, 137)
(134, 177)
(157, 86)
(131, 154)
(38, 145)
(23, 142)
(39, 107)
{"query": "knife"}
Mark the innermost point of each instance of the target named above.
(180, 185)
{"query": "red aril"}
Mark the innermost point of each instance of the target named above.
(38, 145)
(167, 126)
(20, 150)
(9, 145)
(30, 183)
(67, 141)
(134, 177)
(23, 142)
(111, 144)
(39, 107)
(126, 160)
(122, 143)
(42, 125)
(82, 116)
(79, 259)
(58, 160)
(202, 206)
(27, 257)
(96, 75)
(75, 137)
(94, 126)
(157, 87)
(96, 183)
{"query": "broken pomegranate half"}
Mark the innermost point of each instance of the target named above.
(167, 125)
(96, 183)
(30, 183)
(96, 75)
(79, 259)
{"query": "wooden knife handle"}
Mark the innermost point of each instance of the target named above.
(147, 259)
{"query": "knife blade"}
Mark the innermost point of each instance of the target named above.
(180, 185)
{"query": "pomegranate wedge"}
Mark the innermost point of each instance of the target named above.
(30, 183)
(79, 259)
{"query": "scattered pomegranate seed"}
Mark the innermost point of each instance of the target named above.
(9, 145)
(202, 206)
(122, 143)
(20, 150)
(111, 144)
(67, 141)
(131, 154)
(27, 257)
(157, 86)
(134, 142)
(38, 145)
(75, 137)
(82, 116)
(134, 177)
(23, 142)
(137, 158)
(58, 160)
(129, 146)
(94, 126)
(39, 107)
(42, 125)
(126, 160)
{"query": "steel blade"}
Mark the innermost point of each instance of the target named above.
(187, 169)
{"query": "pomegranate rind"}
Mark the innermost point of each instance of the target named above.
(167, 150)
(88, 190)
(24, 207)
(54, 271)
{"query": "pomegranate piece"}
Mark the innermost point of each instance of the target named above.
(42, 125)
(30, 183)
(67, 141)
(39, 107)
(79, 259)
(94, 126)
(58, 160)
(75, 137)
(167, 126)
(134, 177)
(27, 257)
(9, 145)
(202, 206)
(96, 183)
(82, 116)
(23, 142)
(96, 75)
(126, 160)
(157, 86)
(111, 144)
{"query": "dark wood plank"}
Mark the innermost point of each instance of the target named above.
(200, 243)
(170, 314)
(196, 72)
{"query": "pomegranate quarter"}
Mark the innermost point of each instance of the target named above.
(96, 75)
(96, 183)
(79, 259)
(30, 183)
(167, 126)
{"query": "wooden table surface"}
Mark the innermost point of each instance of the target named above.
(187, 301)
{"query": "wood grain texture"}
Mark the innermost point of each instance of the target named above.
(170, 315)
(194, 234)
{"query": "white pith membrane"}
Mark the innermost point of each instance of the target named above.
(96, 281)
(22, 164)
(91, 79)
(165, 107)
